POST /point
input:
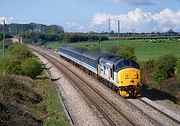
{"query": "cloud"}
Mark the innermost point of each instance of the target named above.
(75, 26)
(7, 20)
(167, 19)
(139, 20)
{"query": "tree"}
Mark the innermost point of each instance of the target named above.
(123, 51)
(164, 67)
(127, 52)
(16, 29)
(113, 49)
(54, 29)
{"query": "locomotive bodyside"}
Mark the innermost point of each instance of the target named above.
(124, 74)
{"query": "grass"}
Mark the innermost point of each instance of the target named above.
(38, 97)
(53, 45)
(144, 49)
(55, 115)
(172, 104)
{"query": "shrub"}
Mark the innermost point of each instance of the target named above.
(147, 68)
(113, 49)
(149, 65)
(178, 67)
(11, 65)
(123, 51)
(18, 89)
(164, 67)
(20, 51)
(127, 52)
(31, 67)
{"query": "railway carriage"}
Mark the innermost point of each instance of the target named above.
(120, 74)
(90, 60)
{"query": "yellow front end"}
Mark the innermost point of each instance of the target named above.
(129, 82)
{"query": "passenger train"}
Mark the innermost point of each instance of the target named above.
(121, 75)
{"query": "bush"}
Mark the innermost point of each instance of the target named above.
(164, 67)
(127, 52)
(20, 51)
(123, 51)
(12, 65)
(149, 65)
(178, 67)
(113, 49)
(20, 62)
(31, 67)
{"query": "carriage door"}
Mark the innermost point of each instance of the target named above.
(104, 70)
(111, 74)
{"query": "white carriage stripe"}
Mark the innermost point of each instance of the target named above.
(93, 69)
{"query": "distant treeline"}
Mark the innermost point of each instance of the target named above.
(16, 29)
(84, 37)
(35, 37)
(6, 36)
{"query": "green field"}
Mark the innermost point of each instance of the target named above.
(144, 49)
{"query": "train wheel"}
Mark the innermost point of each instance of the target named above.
(106, 83)
(113, 88)
(110, 85)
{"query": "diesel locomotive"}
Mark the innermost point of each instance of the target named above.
(121, 75)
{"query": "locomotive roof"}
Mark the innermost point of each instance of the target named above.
(74, 49)
(92, 54)
(111, 59)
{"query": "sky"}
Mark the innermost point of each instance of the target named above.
(95, 15)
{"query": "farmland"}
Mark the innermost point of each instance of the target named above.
(144, 49)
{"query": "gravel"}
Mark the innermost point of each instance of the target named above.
(156, 115)
(168, 105)
(80, 112)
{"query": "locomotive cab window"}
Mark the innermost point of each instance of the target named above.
(127, 63)
(120, 65)
(134, 64)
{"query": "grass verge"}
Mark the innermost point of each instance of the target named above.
(24, 101)
(55, 115)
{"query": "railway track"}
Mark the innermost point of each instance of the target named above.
(108, 110)
(155, 112)
(160, 111)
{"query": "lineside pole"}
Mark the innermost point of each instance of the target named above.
(119, 32)
(109, 28)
